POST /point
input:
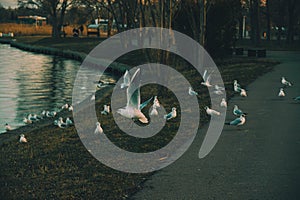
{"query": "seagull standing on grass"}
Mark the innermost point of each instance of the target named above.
(223, 103)
(211, 112)
(8, 127)
(156, 102)
(171, 115)
(236, 86)
(106, 110)
(237, 111)
(238, 121)
(132, 110)
(243, 93)
(285, 82)
(98, 129)
(206, 79)
(192, 92)
(281, 93)
(22, 139)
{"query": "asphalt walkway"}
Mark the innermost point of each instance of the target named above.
(260, 160)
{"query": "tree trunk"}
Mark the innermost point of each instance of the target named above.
(291, 21)
(268, 20)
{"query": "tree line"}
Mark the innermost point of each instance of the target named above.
(216, 24)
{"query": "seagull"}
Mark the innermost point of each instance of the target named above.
(132, 109)
(218, 92)
(219, 88)
(69, 122)
(236, 86)
(98, 128)
(70, 108)
(285, 82)
(66, 106)
(106, 110)
(27, 121)
(243, 93)
(171, 115)
(154, 111)
(211, 111)
(192, 92)
(50, 114)
(126, 80)
(60, 123)
(223, 103)
(297, 98)
(281, 93)
(156, 102)
(22, 139)
(8, 127)
(32, 117)
(237, 111)
(206, 79)
(238, 121)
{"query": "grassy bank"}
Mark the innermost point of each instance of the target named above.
(55, 165)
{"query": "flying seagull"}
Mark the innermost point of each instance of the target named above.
(132, 109)
(206, 79)
(126, 80)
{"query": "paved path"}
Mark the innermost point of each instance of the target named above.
(261, 160)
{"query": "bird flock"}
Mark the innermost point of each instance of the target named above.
(134, 107)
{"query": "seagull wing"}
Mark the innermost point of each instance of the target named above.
(143, 105)
(204, 75)
(126, 78)
(133, 91)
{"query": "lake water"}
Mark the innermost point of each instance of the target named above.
(31, 83)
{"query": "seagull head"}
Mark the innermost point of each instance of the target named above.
(98, 124)
(236, 107)
(206, 107)
(173, 109)
(22, 135)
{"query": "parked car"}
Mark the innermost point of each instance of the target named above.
(93, 29)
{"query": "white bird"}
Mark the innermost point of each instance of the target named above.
(238, 121)
(93, 97)
(223, 103)
(236, 86)
(238, 112)
(156, 102)
(22, 139)
(106, 110)
(206, 79)
(171, 115)
(281, 93)
(243, 93)
(102, 84)
(60, 123)
(218, 92)
(211, 111)
(192, 92)
(132, 109)
(285, 82)
(219, 88)
(98, 129)
(50, 114)
(69, 122)
(27, 121)
(66, 106)
(71, 108)
(8, 127)
(126, 80)
(154, 111)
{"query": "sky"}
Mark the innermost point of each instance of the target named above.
(7, 3)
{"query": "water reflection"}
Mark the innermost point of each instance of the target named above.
(31, 83)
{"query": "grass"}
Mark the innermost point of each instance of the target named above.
(55, 165)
